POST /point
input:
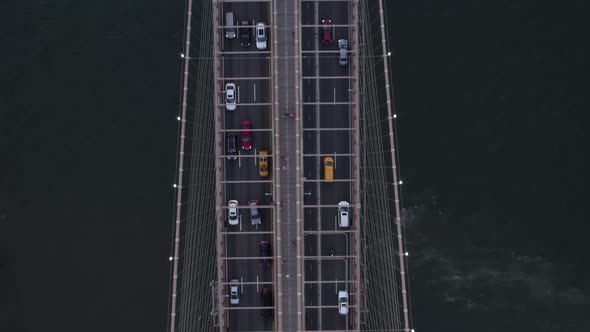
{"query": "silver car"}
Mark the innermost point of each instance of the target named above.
(230, 97)
(260, 36)
(254, 215)
(234, 291)
(343, 54)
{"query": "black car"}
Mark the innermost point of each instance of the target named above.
(245, 34)
(266, 301)
(231, 147)
(264, 252)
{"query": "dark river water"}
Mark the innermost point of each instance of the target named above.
(492, 98)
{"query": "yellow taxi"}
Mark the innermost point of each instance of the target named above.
(263, 163)
(328, 169)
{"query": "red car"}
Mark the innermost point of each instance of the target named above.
(246, 135)
(326, 32)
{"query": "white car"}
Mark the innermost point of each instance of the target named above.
(343, 302)
(230, 97)
(234, 293)
(232, 216)
(343, 220)
(260, 36)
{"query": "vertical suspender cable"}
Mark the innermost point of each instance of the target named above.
(402, 265)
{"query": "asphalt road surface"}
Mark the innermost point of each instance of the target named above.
(242, 244)
(319, 265)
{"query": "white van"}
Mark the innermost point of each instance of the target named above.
(230, 30)
(343, 220)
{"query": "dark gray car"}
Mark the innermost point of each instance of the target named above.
(231, 147)
(245, 34)
(254, 215)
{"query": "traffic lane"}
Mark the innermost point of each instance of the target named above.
(249, 294)
(337, 11)
(251, 91)
(338, 241)
(340, 191)
(245, 245)
(308, 92)
(310, 38)
(308, 65)
(245, 224)
(243, 193)
(334, 116)
(310, 249)
(331, 319)
(310, 219)
(259, 117)
(328, 65)
(308, 12)
(251, 64)
(330, 214)
(335, 141)
(246, 168)
(311, 165)
(248, 320)
(309, 118)
(330, 192)
(311, 319)
(310, 138)
(257, 11)
(333, 270)
(333, 90)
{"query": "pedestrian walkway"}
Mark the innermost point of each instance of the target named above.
(289, 313)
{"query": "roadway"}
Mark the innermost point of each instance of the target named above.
(320, 223)
(249, 69)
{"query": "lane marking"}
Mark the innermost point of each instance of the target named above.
(334, 159)
(254, 91)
